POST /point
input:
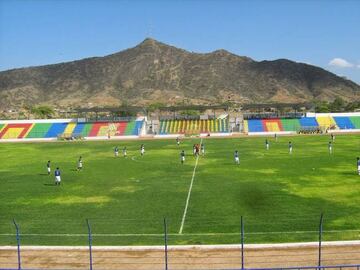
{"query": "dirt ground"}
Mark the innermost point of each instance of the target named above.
(182, 257)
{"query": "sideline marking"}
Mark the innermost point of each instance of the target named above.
(173, 234)
(189, 193)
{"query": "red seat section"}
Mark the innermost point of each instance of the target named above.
(272, 125)
(15, 131)
(96, 128)
(121, 126)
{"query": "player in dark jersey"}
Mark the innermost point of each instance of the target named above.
(267, 144)
(57, 177)
(290, 147)
(116, 151)
(358, 165)
(48, 167)
(124, 152)
(178, 141)
(182, 157)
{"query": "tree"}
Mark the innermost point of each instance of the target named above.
(42, 111)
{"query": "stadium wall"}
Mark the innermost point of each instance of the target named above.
(52, 129)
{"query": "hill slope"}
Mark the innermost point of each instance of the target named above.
(156, 72)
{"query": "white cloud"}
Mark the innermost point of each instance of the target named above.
(358, 66)
(342, 63)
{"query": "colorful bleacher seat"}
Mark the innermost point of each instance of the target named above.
(193, 126)
(53, 130)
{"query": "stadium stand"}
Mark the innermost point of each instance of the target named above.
(193, 126)
(303, 123)
(54, 129)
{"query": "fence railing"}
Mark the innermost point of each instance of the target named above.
(241, 256)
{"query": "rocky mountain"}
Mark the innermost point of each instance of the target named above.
(155, 72)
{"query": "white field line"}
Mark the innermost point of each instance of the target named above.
(189, 193)
(170, 234)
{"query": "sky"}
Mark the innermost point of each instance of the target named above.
(322, 33)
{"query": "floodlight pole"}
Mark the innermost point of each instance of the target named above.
(165, 244)
(320, 238)
(242, 242)
(18, 243)
(90, 243)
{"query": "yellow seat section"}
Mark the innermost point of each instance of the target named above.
(12, 133)
(246, 126)
(70, 128)
(325, 121)
(272, 126)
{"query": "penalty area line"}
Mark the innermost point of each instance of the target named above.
(189, 194)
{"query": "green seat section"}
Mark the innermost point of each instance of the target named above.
(86, 130)
(130, 128)
(356, 121)
(39, 130)
(290, 124)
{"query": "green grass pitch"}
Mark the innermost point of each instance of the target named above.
(280, 196)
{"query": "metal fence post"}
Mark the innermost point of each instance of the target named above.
(90, 243)
(165, 243)
(242, 243)
(320, 238)
(18, 243)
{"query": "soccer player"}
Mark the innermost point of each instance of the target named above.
(178, 141)
(330, 147)
(57, 177)
(124, 152)
(236, 156)
(194, 149)
(358, 165)
(290, 147)
(267, 144)
(182, 156)
(48, 167)
(202, 149)
(275, 135)
(142, 149)
(116, 151)
(80, 164)
(197, 149)
(332, 137)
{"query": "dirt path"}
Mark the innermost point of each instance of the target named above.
(182, 257)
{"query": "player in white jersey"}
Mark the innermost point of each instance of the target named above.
(80, 164)
(142, 150)
(290, 147)
(202, 147)
(330, 147)
(236, 157)
(48, 167)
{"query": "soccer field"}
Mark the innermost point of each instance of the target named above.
(279, 195)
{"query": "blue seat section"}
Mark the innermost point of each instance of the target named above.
(138, 126)
(255, 126)
(79, 128)
(343, 122)
(308, 122)
(55, 130)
